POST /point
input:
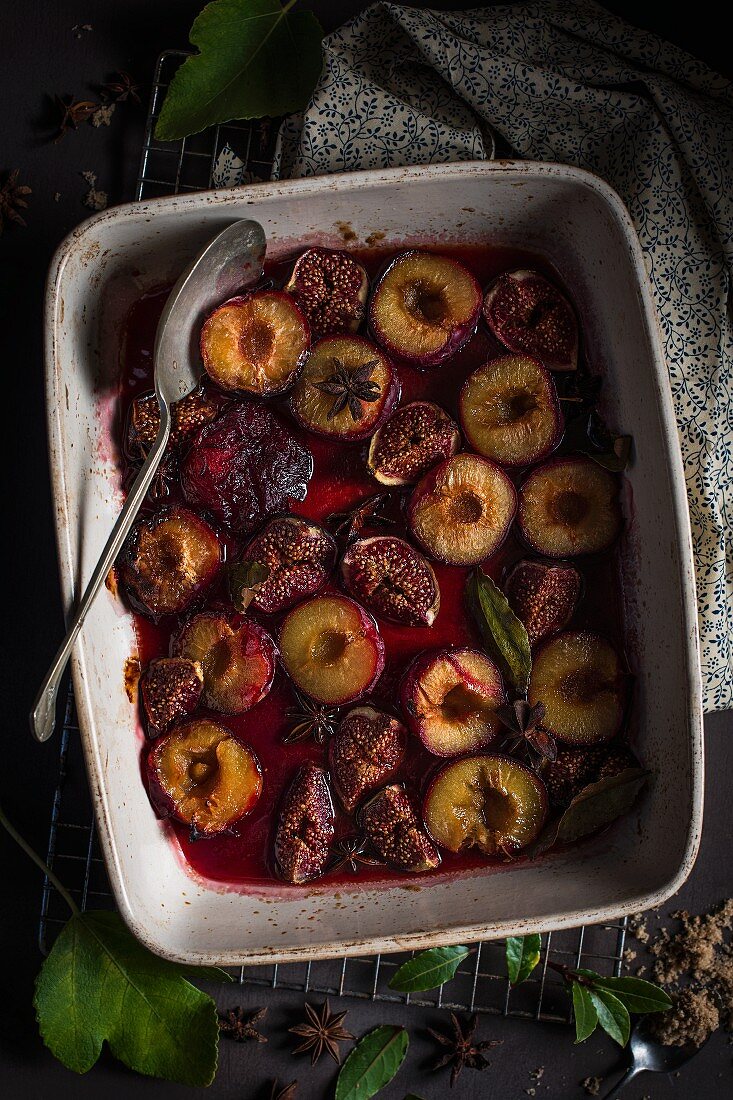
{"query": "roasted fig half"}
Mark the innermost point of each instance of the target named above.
(332, 649)
(298, 556)
(488, 801)
(580, 679)
(364, 752)
(543, 595)
(424, 307)
(392, 580)
(305, 826)
(573, 769)
(529, 315)
(200, 774)
(168, 561)
(187, 415)
(170, 689)
(331, 288)
(237, 657)
(415, 438)
(462, 510)
(395, 832)
(569, 506)
(510, 411)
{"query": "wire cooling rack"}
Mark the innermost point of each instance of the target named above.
(480, 984)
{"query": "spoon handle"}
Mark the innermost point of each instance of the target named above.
(616, 1091)
(43, 715)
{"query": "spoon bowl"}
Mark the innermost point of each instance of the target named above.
(648, 1054)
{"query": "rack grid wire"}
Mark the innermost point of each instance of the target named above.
(480, 984)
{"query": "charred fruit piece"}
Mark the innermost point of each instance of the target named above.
(488, 801)
(392, 580)
(170, 689)
(528, 314)
(245, 466)
(462, 510)
(237, 657)
(424, 307)
(168, 561)
(543, 596)
(569, 507)
(575, 768)
(510, 411)
(450, 698)
(305, 826)
(347, 389)
(366, 750)
(331, 288)
(187, 415)
(332, 649)
(580, 679)
(256, 343)
(415, 438)
(299, 557)
(200, 774)
(391, 824)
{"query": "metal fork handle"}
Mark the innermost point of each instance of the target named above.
(43, 715)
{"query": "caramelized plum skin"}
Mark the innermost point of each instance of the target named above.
(299, 556)
(237, 657)
(415, 438)
(528, 314)
(330, 287)
(366, 751)
(245, 466)
(203, 776)
(305, 826)
(392, 580)
(579, 677)
(487, 801)
(168, 562)
(569, 507)
(394, 830)
(170, 690)
(543, 595)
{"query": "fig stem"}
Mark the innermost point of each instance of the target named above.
(23, 843)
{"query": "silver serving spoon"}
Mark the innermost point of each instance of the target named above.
(647, 1054)
(228, 263)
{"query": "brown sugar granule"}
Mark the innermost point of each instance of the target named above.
(638, 929)
(692, 1019)
(692, 950)
(592, 1085)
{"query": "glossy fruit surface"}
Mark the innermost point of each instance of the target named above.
(528, 314)
(187, 416)
(364, 752)
(569, 507)
(488, 801)
(416, 437)
(202, 775)
(394, 829)
(299, 557)
(510, 412)
(237, 657)
(543, 595)
(331, 288)
(392, 580)
(575, 768)
(305, 826)
(580, 679)
(462, 510)
(170, 690)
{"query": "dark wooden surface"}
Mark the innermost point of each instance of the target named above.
(41, 57)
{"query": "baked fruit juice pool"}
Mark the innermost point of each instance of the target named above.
(343, 412)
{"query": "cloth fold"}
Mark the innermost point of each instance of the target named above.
(567, 81)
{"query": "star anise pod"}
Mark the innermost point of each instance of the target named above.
(349, 388)
(352, 851)
(121, 88)
(240, 1025)
(526, 733)
(321, 1032)
(286, 1092)
(311, 719)
(367, 513)
(12, 200)
(72, 112)
(460, 1049)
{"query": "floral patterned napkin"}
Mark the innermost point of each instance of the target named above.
(565, 80)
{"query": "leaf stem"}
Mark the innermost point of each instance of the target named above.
(570, 975)
(23, 843)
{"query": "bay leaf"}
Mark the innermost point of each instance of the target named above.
(597, 805)
(504, 634)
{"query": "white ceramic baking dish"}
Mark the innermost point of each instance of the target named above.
(581, 225)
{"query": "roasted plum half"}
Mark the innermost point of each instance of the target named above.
(332, 649)
(168, 562)
(450, 697)
(305, 826)
(170, 690)
(256, 343)
(529, 315)
(392, 580)
(510, 411)
(543, 595)
(299, 557)
(394, 830)
(415, 438)
(237, 657)
(580, 679)
(462, 510)
(568, 507)
(347, 389)
(488, 801)
(244, 467)
(364, 752)
(424, 308)
(187, 416)
(331, 288)
(200, 774)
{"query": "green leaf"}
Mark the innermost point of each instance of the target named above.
(586, 1016)
(98, 983)
(372, 1063)
(597, 805)
(637, 995)
(204, 974)
(612, 1015)
(502, 631)
(245, 578)
(522, 956)
(255, 59)
(428, 969)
